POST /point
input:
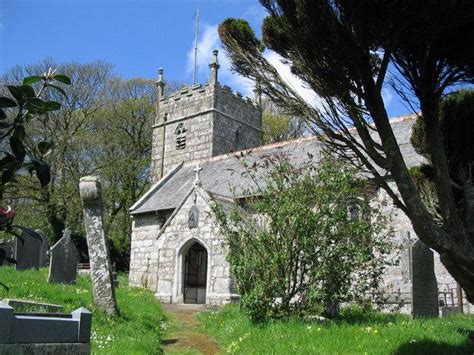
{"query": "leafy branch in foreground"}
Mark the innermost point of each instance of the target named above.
(308, 241)
(19, 151)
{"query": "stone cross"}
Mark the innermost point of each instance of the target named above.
(27, 251)
(197, 180)
(63, 260)
(101, 271)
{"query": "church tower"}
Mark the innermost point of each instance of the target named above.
(201, 121)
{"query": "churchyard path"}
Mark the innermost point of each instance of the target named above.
(185, 337)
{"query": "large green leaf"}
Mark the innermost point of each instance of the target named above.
(42, 170)
(19, 133)
(62, 78)
(35, 105)
(51, 106)
(58, 89)
(16, 93)
(44, 146)
(32, 79)
(17, 148)
(21, 92)
(7, 102)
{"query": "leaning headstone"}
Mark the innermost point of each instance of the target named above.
(27, 252)
(101, 271)
(424, 286)
(63, 260)
(44, 248)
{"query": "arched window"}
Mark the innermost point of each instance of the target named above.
(180, 137)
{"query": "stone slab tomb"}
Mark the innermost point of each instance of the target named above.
(63, 260)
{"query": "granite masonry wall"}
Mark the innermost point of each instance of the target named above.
(237, 122)
(173, 245)
(398, 279)
(158, 263)
(144, 252)
(191, 106)
(216, 121)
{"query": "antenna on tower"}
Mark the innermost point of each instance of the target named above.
(196, 45)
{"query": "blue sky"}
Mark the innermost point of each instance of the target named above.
(137, 37)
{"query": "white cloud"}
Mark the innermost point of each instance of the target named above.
(293, 81)
(209, 40)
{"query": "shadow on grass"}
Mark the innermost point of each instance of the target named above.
(356, 315)
(435, 348)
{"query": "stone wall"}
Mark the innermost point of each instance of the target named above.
(398, 279)
(157, 264)
(216, 120)
(191, 106)
(173, 244)
(144, 252)
(237, 123)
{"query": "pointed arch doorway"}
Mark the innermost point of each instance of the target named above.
(195, 274)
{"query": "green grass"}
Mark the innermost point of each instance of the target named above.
(137, 330)
(355, 333)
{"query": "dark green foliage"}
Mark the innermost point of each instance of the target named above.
(24, 105)
(308, 241)
(457, 125)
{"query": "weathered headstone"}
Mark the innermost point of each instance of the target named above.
(63, 260)
(44, 248)
(6, 249)
(27, 252)
(101, 271)
(424, 286)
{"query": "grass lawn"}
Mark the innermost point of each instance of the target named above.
(137, 330)
(354, 333)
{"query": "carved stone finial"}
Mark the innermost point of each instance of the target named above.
(160, 84)
(214, 66)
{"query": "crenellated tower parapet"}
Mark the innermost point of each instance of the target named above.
(201, 121)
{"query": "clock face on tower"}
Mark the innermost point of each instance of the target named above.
(193, 218)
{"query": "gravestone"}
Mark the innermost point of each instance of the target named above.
(27, 252)
(424, 286)
(101, 271)
(44, 248)
(6, 248)
(63, 260)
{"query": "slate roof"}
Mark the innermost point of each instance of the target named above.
(225, 175)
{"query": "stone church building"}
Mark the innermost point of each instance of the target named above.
(177, 250)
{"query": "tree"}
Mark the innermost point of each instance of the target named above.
(343, 50)
(279, 126)
(104, 128)
(456, 112)
(297, 246)
(22, 154)
(57, 204)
